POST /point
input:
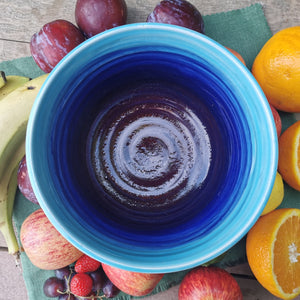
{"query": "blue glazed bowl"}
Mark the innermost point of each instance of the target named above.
(151, 148)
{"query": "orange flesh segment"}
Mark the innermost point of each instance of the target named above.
(286, 263)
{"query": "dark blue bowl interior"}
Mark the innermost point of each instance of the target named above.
(148, 77)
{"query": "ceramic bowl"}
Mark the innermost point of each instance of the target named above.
(151, 148)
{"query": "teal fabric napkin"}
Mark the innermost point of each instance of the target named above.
(245, 30)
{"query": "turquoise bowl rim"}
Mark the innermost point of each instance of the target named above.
(263, 142)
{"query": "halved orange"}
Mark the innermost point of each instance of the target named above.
(273, 252)
(289, 155)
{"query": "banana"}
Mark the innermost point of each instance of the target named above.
(14, 114)
(8, 188)
(11, 82)
(2, 79)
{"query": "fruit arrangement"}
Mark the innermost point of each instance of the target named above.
(85, 279)
(15, 108)
(59, 37)
(273, 242)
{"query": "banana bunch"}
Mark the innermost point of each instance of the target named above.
(16, 99)
(9, 83)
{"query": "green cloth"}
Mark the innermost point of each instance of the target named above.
(245, 30)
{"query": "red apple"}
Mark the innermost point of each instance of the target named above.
(277, 120)
(53, 42)
(24, 183)
(132, 283)
(208, 283)
(95, 16)
(45, 247)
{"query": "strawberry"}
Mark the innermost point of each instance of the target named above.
(81, 284)
(86, 264)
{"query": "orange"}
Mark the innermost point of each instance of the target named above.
(238, 55)
(277, 69)
(273, 252)
(289, 155)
